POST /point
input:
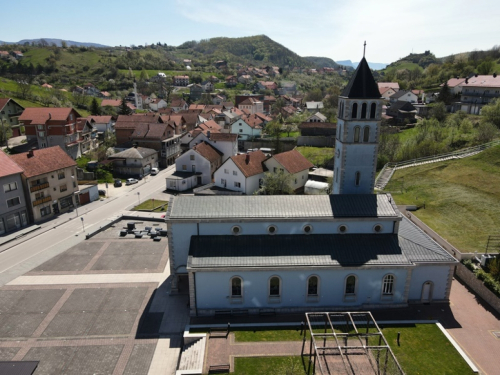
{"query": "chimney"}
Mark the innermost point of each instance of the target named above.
(247, 158)
(208, 134)
(31, 152)
(50, 116)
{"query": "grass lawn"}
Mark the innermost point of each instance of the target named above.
(152, 204)
(317, 155)
(292, 134)
(462, 197)
(423, 348)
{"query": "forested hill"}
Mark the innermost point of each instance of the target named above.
(322, 62)
(257, 50)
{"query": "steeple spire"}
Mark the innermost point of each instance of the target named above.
(364, 49)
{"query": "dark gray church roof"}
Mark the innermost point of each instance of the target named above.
(282, 206)
(362, 84)
(333, 250)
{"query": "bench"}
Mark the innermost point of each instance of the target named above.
(219, 369)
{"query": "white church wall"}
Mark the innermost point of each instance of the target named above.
(213, 289)
(437, 274)
(179, 240)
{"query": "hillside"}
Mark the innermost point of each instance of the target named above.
(57, 42)
(322, 62)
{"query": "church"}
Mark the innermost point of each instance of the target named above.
(351, 250)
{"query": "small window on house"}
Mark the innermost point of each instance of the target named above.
(226, 171)
(191, 157)
(60, 175)
(235, 173)
(295, 181)
(10, 187)
(350, 286)
(63, 188)
(13, 202)
(184, 167)
(237, 184)
(272, 229)
(377, 228)
(241, 130)
(354, 113)
(223, 182)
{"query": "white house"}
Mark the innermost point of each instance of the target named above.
(244, 130)
(156, 104)
(404, 96)
(314, 106)
(252, 105)
(226, 143)
(478, 91)
(455, 85)
(179, 105)
(105, 125)
(317, 117)
(349, 250)
(293, 163)
(242, 172)
(192, 138)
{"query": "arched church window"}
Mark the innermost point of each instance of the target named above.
(341, 110)
(388, 285)
(339, 131)
(373, 109)
(363, 110)
(312, 286)
(357, 179)
(350, 285)
(356, 134)
(366, 134)
(354, 113)
(236, 287)
(274, 286)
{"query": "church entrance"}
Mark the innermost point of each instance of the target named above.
(427, 292)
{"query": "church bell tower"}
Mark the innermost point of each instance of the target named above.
(358, 128)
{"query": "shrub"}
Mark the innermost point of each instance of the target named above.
(468, 263)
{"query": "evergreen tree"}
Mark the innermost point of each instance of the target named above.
(123, 109)
(95, 109)
(444, 94)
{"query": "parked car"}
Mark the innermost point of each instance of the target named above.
(131, 181)
(102, 192)
(154, 171)
(117, 183)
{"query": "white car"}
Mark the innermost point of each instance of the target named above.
(154, 171)
(131, 181)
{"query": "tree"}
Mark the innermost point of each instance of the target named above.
(80, 100)
(438, 111)
(274, 129)
(276, 184)
(444, 94)
(491, 112)
(95, 108)
(486, 131)
(124, 109)
(24, 87)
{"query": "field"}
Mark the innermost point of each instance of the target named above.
(462, 197)
(319, 156)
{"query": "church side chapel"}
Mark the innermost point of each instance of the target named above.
(349, 250)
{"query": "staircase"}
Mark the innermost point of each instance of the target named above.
(192, 358)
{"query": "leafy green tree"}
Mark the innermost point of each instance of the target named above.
(485, 67)
(274, 129)
(445, 95)
(486, 131)
(123, 108)
(276, 184)
(95, 108)
(438, 112)
(491, 112)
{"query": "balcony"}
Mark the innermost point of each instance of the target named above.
(42, 200)
(45, 185)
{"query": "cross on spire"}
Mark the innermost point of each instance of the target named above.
(364, 49)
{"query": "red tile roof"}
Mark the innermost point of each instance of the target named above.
(8, 166)
(111, 102)
(43, 161)
(3, 102)
(42, 115)
(250, 164)
(223, 137)
(208, 152)
(293, 161)
(100, 119)
(392, 85)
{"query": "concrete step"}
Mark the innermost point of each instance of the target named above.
(192, 357)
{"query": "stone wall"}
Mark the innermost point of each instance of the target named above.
(468, 278)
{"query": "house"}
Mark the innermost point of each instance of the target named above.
(13, 205)
(105, 125)
(317, 117)
(181, 80)
(179, 105)
(208, 86)
(287, 88)
(47, 86)
(86, 136)
(56, 127)
(314, 106)
(345, 251)
(226, 143)
(252, 104)
(49, 181)
(10, 111)
(17, 54)
(151, 135)
(387, 92)
(244, 130)
(478, 91)
(245, 78)
(231, 81)
(242, 173)
(266, 85)
(157, 104)
(115, 103)
(288, 110)
(91, 90)
(455, 86)
(318, 129)
(135, 162)
(195, 167)
(402, 110)
(4, 55)
(392, 85)
(404, 96)
(170, 150)
(292, 163)
(195, 92)
(192, 138)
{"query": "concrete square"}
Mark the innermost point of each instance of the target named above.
(121, 299)
(111, 263)
(141, 262)
(93, 360)
(70, 324)
(114, 323)
(9, 299)
(20, 325)
(53, 360)
(140, 359)
(74, 259)
(85, 300)
(136, 247)
(37, 301)
(6, 354)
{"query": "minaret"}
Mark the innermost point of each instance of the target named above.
(358, 127)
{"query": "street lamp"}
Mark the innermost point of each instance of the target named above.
(83, 224)
(139, 197)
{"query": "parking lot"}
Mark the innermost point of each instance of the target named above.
(101, 307)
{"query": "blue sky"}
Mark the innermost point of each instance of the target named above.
(335, 29)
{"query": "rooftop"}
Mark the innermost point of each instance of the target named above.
(43, 161)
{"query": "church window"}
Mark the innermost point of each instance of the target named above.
(307, 228)
(377, 228)
(339, 132)
(357, 178)
(342, 228)
(341, 114)
(274, 286)
(312, 286)
(373, 110)
(388, 285)
(236, 287)
(366, 134)
(356, 134)
(363, 110)
(236, 230)
(272, 229)
(354, 113)
(350, 286)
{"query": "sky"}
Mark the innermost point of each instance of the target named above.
(329, 28)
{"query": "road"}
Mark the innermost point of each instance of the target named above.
(55, 236)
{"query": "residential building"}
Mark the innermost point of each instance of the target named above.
(115, 103)
(404, 96)
(242, 173)
(266, 85)
(226, 143)
(195, 92)
(401, 110)
(157, 104)
(181, 80)
(170, 150)
(287, 88)
(455, 86)
(479, 91)
(291, 163)
(49, 181)
(314, 106)
(10, 111)
(207, 85)
(253, 105)
(13, 210)
(179, 105)
(105, 125)
(317, 117)
(244, 130)
(288, 254)
(231, 81)
(135, 162)
(387, 92)
(392, 85)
